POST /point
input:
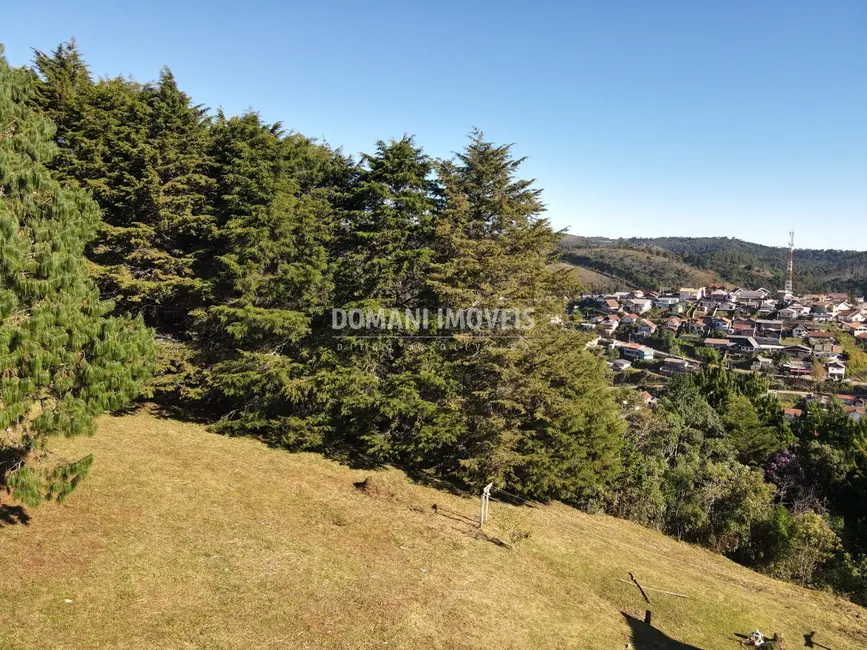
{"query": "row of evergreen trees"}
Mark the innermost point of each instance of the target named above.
(233, 239)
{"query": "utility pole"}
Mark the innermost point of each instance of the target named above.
(791, 265)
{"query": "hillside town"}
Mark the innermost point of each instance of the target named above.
(809, 337)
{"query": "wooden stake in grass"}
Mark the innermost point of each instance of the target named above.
(648, 615)
(486, 498)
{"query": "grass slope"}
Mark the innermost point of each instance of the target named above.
(181, 538)
(592, 280)
(641, 269)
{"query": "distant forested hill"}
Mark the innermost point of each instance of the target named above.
(731, 261)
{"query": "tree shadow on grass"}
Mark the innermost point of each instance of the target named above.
(170, 411)
(11, 515)
(810, 643)
(353, 458)
(645, 637)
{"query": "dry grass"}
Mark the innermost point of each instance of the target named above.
(181, 538)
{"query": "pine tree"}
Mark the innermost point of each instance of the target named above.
(62, 360)
(141, 150)
(394, 399)
(535, 410)
(385, 248)
(271, 278)
(64, 78)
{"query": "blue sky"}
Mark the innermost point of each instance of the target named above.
(639, 118)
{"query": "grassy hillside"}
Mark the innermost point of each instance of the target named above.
(739, 262)
(644, 269)
(593, 280)
(181, 538)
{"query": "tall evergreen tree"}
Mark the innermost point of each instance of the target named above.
(141, 150)
(64, 78)
(394, 398)
(62, 360)
(535, 409)
(271, 278)
(386, 239)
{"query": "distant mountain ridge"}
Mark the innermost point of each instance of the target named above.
(722, 259)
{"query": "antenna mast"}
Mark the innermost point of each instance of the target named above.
(791, 265)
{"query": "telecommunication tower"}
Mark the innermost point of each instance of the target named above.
(791, 265)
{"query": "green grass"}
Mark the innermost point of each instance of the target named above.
(181, 538)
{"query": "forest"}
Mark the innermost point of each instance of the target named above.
(155, 250)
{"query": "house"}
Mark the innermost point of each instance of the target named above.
(820, 335)
(672, 366)
(743, 328)
(610, 325)
(798, 368)
(788, 313)
(629, 319)
(827, 351)
(838, 297)
(854, 316)
(672, 323)
(720, 324)
(688, 294)
(822, 312)
(855, 412)
(767, 307)
(639, 305)
(769, 328)
(745, 344)
(814, 298)
(665, 302)
(762, 363)
(645, 328)
(610, 306)
(836, 370)
(637, 352)
(753, 296)
(719, 295)
(677, 308)
(695, 327)
(619, 365)
(798, 351)
(726, 307)
(719, 344)
(769, 345)
(792, 414)
(648, 399)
